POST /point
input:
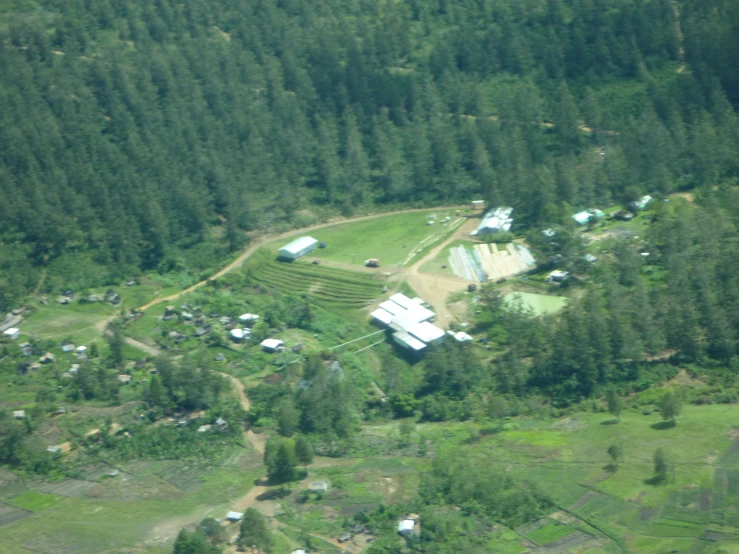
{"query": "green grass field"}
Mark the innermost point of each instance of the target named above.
(391, 238)
(35, 501)
(328, 287)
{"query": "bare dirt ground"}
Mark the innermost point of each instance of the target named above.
(435, 289)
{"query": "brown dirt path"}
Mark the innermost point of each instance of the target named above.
(435, 289)
(268, 238)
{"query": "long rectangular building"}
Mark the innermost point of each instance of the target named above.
(298, 247)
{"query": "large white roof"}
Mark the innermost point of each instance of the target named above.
(298, 245)
(426, 332)
(382, 316)
(11, 331)
(392, 308)
(403, 301)
(408, 341)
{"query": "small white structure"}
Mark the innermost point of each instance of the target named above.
(238, 335)
(113, 473)
(187, 316)
(54, 449)
(68, 347)
(234, 516)
(204, 428)
(124, 379)
(406, 526)
(461, 336)
(300, 551)
(248, 318)
(557, 276)
(641, 203)
(12, 333)
(319, 486)
(478, 204)
(271, 345)
(19, 414)
(81, 350)
(496, 220)
(221, 422)
(74, 369)
(584, 217)
(297, 248)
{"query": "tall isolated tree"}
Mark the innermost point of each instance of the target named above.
(615, 404)
(254, 532)
(670, 406)
(303, 452)
(661, 465)
(116, 341)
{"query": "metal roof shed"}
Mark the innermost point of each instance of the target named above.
(298, 247)
(271, 345)
(382, 316)
(407, 341)
(427, 332)
(234, 516)
(406, 526)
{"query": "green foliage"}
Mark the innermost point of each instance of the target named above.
(193, 543)
(281, 461)
(670, 406)
(303, 451)
(254, 532)
(615, 404)
(661, 465)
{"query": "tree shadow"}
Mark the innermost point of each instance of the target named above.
(662, 425)
(656, 480)
(611, 468)
(274, 494)
(613, 421)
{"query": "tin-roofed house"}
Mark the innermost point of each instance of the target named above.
(297, 248)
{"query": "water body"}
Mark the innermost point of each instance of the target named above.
(540, 304)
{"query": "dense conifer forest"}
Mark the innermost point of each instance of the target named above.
(150, 135)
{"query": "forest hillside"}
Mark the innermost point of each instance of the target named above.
(150, 135)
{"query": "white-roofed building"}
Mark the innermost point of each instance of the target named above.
(12, 333)
(405, 527)
(392, 308)
(248, 318)
(382, 316)
(239, 334)
(234, 516)
(403, 301)
(427, 332)
(496, 220)
(271, 345)
(298, 247)
(408, 341)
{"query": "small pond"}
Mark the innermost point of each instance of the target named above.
(540, 304)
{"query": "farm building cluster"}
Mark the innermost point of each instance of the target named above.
(410, 321)
(495, 220)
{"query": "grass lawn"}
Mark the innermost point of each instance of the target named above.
(55, 321)
(35, 501)
(390, 238)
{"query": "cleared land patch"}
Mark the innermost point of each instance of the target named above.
(328, 287)
(391, 238)
(35, 501)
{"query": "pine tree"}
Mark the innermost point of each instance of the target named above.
(254, 532)
(303, 452)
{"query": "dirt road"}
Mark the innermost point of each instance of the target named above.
(257, 441)
(435, 289)
(266, 239)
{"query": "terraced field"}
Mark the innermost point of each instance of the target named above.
(330, 288)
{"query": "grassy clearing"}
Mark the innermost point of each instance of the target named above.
(58, 322)
(35, 501)
(390, 238)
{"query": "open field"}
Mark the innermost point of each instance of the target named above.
(328, 287)
(55, 321)
(391, 238)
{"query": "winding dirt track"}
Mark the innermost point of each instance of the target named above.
(268, 238)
